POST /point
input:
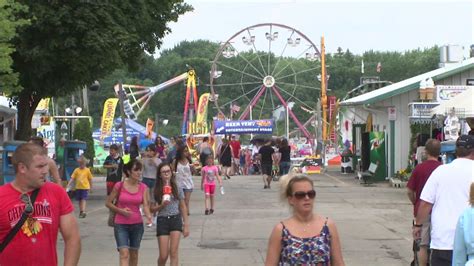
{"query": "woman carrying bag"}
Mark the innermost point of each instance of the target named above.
(128, 228)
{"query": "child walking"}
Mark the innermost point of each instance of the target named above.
(209, 174)
(172, 218)
(182, 166)
(82, 177)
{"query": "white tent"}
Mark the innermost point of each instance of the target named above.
(463, 102)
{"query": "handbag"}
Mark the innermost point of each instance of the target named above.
(111, 219)
(19, 224)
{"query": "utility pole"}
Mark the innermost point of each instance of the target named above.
(85, 100)
(122, 114)
(324, 100)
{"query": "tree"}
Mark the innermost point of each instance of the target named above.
(69, 44)
(83, 132)
(343, 67)
(8, 27)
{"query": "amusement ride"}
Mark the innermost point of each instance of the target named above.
(260, 71)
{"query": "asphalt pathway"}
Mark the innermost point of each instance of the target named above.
(374, 224)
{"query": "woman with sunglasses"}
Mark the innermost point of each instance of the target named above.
(128, 229)
(172, 218)
(306, 238)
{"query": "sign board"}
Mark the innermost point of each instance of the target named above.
(421, 109)
(392, 113)
(243, 127)
(366, 80)
(447, 92)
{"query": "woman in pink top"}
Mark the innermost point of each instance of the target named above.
(128, 229)
(209, 174)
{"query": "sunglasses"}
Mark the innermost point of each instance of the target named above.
(301, 194)
(25, 198)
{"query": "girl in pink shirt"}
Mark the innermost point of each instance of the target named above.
(128, 229)
(209, 174)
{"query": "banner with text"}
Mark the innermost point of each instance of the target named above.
(201, 116)
(108, 117)
(243, 127)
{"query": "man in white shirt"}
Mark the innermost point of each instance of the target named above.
(446, 195)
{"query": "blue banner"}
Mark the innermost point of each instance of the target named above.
(243, 127)
(132, 128)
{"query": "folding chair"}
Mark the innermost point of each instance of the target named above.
(366, 176)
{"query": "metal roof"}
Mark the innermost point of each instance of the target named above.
(409, 84)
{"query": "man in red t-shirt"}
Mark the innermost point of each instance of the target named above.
(415, 185)
(235, 144)
(52, 210)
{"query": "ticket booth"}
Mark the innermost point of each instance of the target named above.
(8, 171)
(72, 151)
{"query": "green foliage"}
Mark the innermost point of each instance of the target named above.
(83, 132)
(69, 44)
(343, 67)
(8, 27)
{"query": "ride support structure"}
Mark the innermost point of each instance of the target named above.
(190, 103)
(137, 97)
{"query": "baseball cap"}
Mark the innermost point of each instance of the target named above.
(466, 141)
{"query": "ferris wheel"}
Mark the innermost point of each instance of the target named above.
(267, 71)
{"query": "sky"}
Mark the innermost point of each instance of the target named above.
(355, 25)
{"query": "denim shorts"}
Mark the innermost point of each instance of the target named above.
(128, 235)
(187, 190)
(149, 182)
(167, 224)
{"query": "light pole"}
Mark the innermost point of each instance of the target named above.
(72, 110)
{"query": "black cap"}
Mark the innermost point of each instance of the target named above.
(466, 141)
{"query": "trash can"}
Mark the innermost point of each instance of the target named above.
(346, 162)
(8, 171)
(72, 151)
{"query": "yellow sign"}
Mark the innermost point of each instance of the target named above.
(43, 105)
(108, 117)
(201, 118)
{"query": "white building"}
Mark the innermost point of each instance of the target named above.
(7, 121)
(402, 100)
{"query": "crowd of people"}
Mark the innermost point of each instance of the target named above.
(441, 194)
(153, 188)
